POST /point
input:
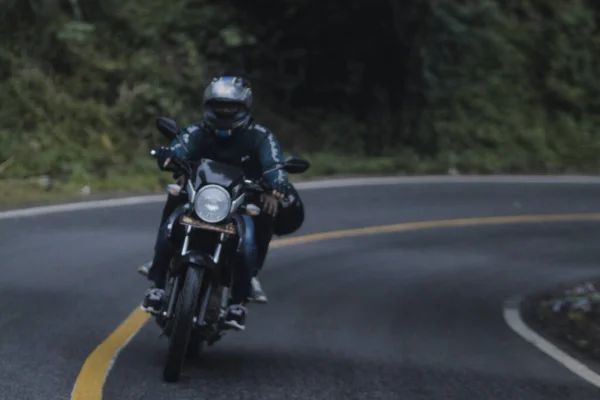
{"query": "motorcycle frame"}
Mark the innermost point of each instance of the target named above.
(198, 259)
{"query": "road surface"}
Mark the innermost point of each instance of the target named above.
(405, 315)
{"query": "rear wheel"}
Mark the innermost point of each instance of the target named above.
(183, 322)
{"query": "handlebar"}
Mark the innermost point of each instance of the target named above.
(178, 163)
(249, 184)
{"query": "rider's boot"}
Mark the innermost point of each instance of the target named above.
(257, 294)
(144, 268)
(153, 301)
(235, 317)
(154, 296)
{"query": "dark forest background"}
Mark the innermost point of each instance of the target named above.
(412, 86)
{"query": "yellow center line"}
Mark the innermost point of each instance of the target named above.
(91, 379)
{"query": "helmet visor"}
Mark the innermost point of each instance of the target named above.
(224, 114)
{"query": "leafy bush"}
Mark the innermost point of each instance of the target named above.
(481, 86)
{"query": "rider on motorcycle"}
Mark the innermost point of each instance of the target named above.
(228, 133)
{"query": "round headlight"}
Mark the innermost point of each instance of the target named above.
(212, 204)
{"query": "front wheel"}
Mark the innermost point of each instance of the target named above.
(183, 322)
(195, 346)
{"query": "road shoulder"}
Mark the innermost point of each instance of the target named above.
(563, 322)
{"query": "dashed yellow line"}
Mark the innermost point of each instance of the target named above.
(91, 379)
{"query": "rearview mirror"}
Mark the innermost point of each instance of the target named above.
(295, 165)
(167, 127)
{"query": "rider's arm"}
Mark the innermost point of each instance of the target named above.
(187, 135)
(270, 156)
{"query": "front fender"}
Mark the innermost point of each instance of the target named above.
(195, 259)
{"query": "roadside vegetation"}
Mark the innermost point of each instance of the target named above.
(570, 316)
(412, 87)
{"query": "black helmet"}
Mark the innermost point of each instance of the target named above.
(227, 104)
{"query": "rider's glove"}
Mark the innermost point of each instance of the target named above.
(271, 201)
(164, 155)
(282, 189)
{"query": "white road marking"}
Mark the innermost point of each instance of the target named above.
(314, 185)
(512, 316)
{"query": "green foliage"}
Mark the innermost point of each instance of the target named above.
(484, 85)
(424, 85)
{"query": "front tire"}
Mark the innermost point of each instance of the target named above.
(195, 346)
(183, 321)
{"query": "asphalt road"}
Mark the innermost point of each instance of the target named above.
(408, 315)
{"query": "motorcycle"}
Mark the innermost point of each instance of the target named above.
(212, 232)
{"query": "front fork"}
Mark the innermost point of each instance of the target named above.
(200, 320)
(207, 293)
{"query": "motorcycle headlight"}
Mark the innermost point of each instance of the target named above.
(212, 204)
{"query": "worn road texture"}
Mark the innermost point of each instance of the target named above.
(399, 316)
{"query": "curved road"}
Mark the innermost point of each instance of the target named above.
(405, 315)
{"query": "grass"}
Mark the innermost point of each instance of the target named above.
(36, 191)
(33, 192)
(146, 178)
